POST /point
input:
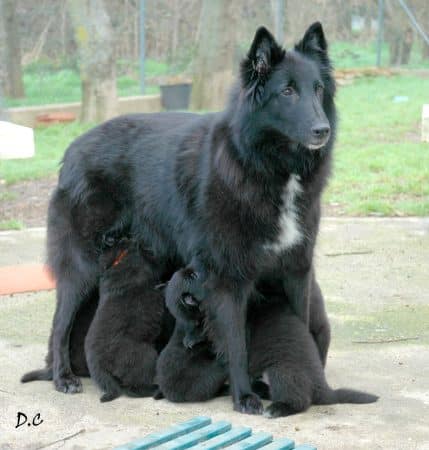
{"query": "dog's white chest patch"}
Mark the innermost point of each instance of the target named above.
(290, 233)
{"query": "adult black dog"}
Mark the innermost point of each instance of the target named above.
(280, 347)
(239, 190)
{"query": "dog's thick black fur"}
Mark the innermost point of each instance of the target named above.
(280, 347)
(121, 344)
(238, 190)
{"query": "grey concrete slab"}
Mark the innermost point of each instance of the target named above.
(374, 273)
(22, 247)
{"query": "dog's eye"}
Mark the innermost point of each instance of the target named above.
(288, 91)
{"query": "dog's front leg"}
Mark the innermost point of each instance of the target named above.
(227, 308)
(297, 286)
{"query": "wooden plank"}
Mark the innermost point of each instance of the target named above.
(155, 439)
(281, 444)
(25, 278)
(201, 435)
(255, 441)
(235, 435)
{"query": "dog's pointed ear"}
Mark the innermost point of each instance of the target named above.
(264, 52)
(263, 55)
(314, 40)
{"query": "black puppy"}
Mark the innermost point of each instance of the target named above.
(280, 347)
(184, 307)
(121, 345)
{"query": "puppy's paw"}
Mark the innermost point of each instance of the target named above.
(109, 396)
(262, 389)
(193, 338)
(278, 409)
(68, 384)
(249, 404)
(158, 395)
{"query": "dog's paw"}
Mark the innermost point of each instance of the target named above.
(249, 404)
(68, 384)
(278, 409)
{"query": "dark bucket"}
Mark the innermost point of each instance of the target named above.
(175, 96)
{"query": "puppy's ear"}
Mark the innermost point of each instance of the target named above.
(263, 55)
(314, 40)
(161, 287)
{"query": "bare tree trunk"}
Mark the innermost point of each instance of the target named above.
(399, 35)
(96, 49)
(424, 20)
(407, 45)
(214, 62)
(175, 26)
(63, 29)
(425, 51)
(14, 87)
(2, 52)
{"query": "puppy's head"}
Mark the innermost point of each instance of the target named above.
(113, 255)
(184, 294)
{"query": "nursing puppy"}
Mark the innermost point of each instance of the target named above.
(185, 307)
(280, 347)
(121, 346)
(181, 294)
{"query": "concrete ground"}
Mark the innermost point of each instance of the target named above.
(374, 274)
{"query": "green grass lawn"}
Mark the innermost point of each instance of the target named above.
(50, 145)
(46, 83)
(11, 225)
(380, 166)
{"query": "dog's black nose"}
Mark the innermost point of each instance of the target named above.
(321, 131)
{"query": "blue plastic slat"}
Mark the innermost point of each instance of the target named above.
(281, 444)
(305, 447)
(236, 434)
(155, 439)
(255, 441)
(201, 435)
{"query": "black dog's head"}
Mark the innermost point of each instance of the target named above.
(289, 94)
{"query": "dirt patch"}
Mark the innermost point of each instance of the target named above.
(27, 201)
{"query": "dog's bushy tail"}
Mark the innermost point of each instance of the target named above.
(331, 396)
(36, 375)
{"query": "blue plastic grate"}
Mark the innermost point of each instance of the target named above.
(200, 434)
